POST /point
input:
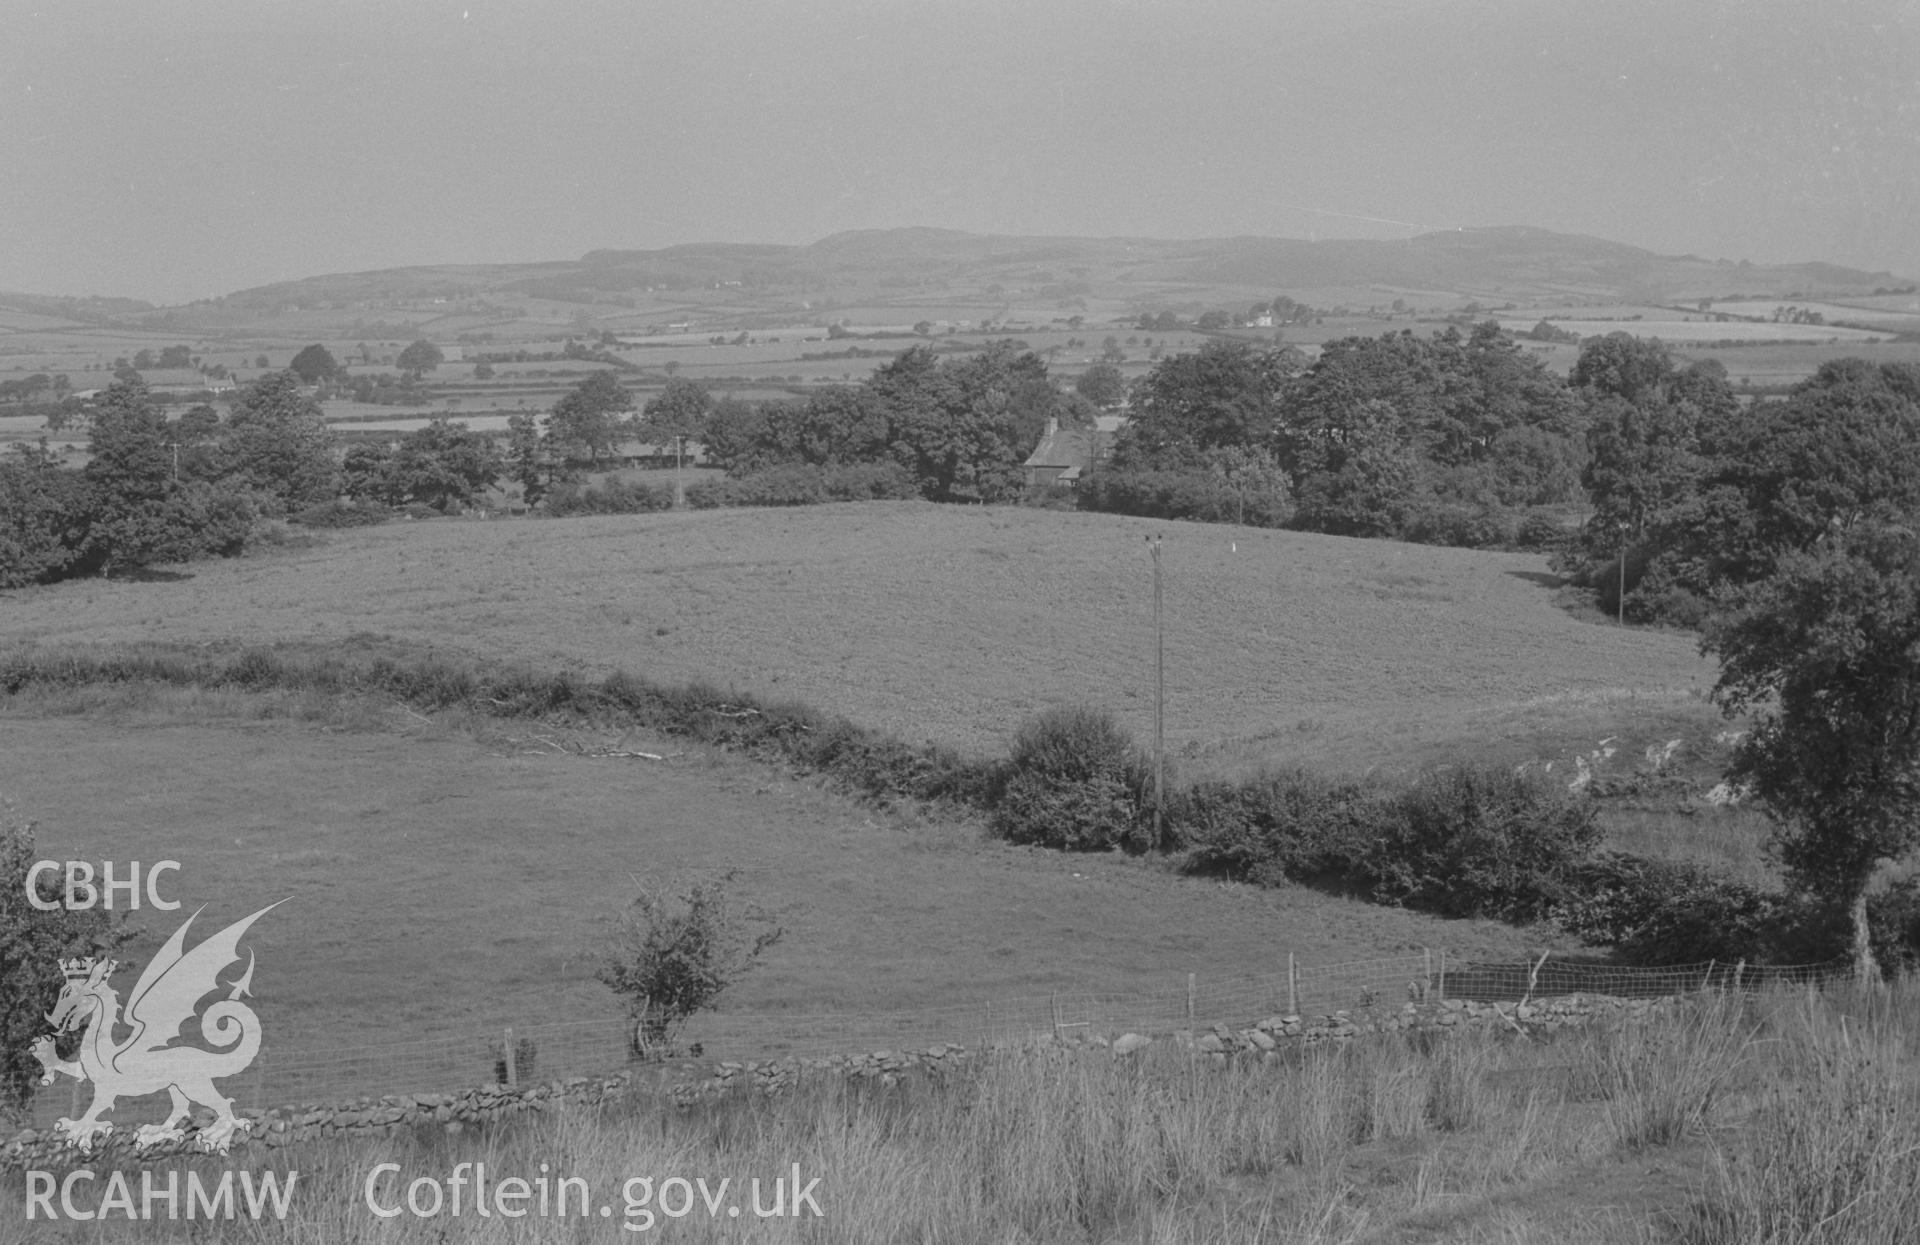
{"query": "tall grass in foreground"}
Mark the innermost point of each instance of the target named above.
(1832, 1153)
(1796, 1114)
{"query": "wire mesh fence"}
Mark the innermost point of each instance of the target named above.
(287, 1074)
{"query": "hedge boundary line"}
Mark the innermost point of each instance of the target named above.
(1459, 842)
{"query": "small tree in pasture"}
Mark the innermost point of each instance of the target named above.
(671, 955)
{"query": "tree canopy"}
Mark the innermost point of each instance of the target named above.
(1827, 650)
(279, 445)
(314, 364)
(420, 358)
(680, 410)
(589, 419)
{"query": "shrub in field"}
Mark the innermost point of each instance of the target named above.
(608, 497)
(1540, 530)
(1894, 918)
(1667, 911)
(361, 512)
(806, 484)
(1076, 780)
(1462, 842)
(1289, 826)
(44, 512)
(32, 944)
(672, 955)
(1460, 525)
(1197, 495)
(1481, 841)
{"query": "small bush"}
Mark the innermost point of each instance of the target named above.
(1461, 842)
(1676, 912)
(671, 955)
(1541, 531)
(1076, 781)
(1291, 826)
(806, 484)
(1472, 841)
(1200, 496)
(1893, 920)
(360, 512)
(608, 497)
(1459, 525)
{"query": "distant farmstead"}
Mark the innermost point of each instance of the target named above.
(648, 454)
(1065, 455)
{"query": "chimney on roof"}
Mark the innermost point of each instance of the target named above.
(1053, 424)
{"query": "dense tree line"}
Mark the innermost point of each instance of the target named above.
(160, 489)
(1694, 496)
(1453, 438)
(960, 428)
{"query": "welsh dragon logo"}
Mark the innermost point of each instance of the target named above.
(144, 1061)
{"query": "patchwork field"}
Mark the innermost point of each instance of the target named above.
(1702, 329)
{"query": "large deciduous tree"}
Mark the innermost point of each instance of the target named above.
(588, 420)
(964, 428)
(420, 358)
(1225, 394)
(1103, 385)
(138, 512)
(278, 443)
(443, 465)
(680, 411)
(44, 510)
(314, 364)
(1828, 647)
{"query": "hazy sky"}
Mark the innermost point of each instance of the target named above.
(178, 149)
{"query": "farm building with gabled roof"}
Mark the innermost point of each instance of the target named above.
(1065, 455)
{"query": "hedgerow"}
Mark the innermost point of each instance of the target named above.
(1460, 841)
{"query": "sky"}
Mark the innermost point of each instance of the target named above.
(179, 149)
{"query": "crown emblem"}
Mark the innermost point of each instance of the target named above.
(80, 968)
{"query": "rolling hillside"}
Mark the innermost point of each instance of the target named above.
(916, 267)
(954, 623)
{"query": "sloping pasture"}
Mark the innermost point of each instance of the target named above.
(954, 623)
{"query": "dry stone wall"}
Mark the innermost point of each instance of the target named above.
(455, 1112)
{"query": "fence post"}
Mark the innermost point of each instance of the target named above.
(1738, 970)
(1706, 983)
(1293, 986)
(1190, 984)
(1054, 999)
(1426, 982)
(986, 1035)
(513, 1075)
(1443, 972)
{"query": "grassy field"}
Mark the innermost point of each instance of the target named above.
(447, 879)
(408, 847)
(954, 623)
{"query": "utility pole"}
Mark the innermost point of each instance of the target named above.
(1159, 701)
(1622, 602)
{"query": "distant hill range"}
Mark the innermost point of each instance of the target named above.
(918, 267)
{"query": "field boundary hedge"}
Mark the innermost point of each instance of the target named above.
(1457, 841)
